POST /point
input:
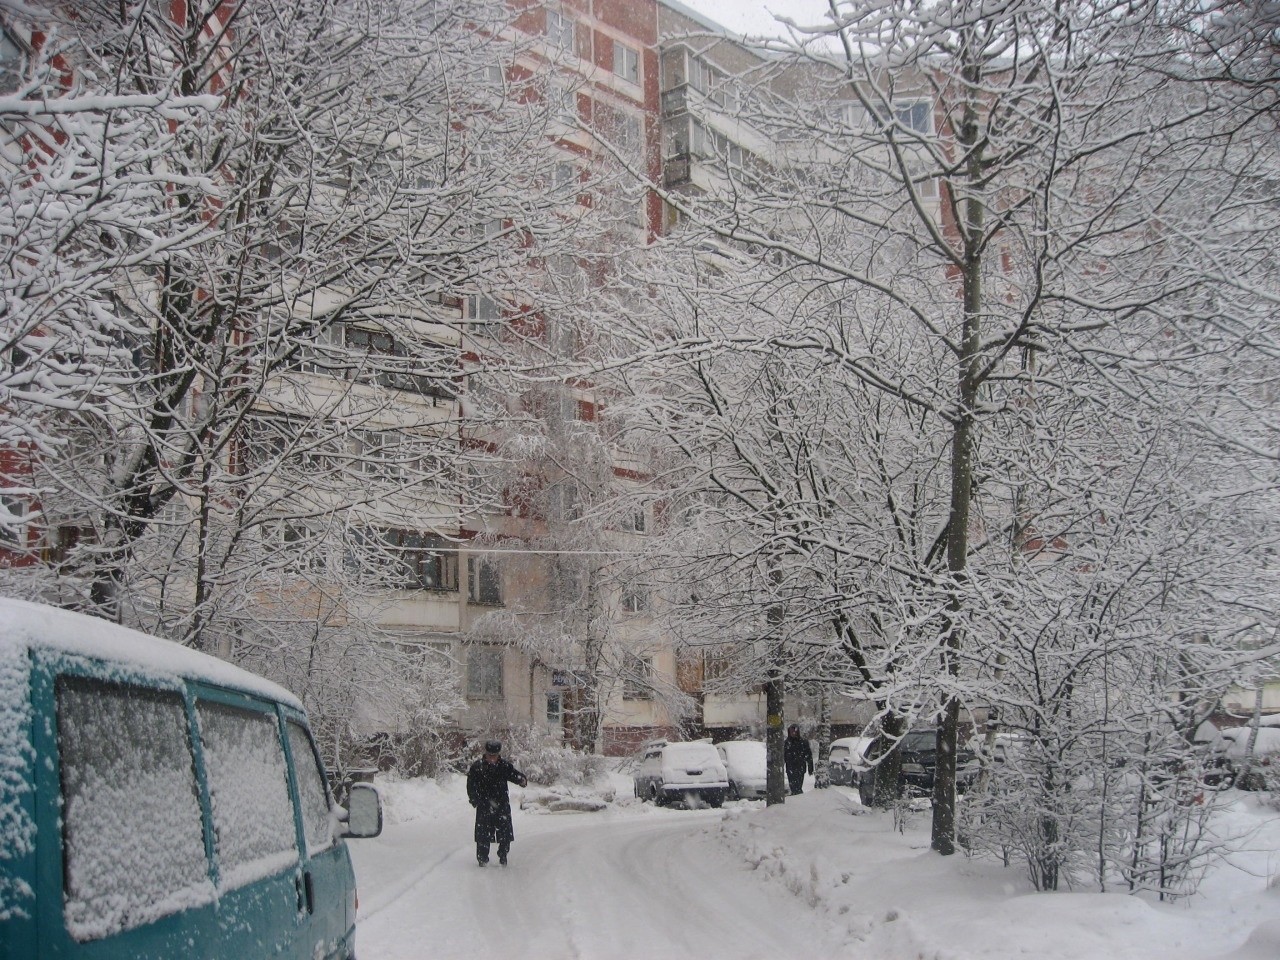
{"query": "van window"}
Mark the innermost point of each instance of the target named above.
(248, 785)
(312, 792)
(133, 839)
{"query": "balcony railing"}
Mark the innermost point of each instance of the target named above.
(677, 170)
(675, 100)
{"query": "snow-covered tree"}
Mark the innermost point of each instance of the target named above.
(269, 444)
(1030, 241)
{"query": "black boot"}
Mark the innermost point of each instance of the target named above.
(482, 853)
(503, 850)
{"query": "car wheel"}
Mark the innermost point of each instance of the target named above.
(1253, 780)
(715, 799)
(865, 786)
(655, 794)
(734, 793)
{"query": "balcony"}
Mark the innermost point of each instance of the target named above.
(675, 101)
(677, 170)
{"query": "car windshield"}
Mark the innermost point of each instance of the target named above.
(745, 752)
(920, 742)
(686, 753)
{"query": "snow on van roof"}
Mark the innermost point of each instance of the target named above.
(37, 626)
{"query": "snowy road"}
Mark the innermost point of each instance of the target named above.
(629, 883)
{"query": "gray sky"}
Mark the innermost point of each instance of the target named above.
(756, 16)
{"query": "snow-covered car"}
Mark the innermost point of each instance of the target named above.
(746, 767)
(158, 802)
(691, 771)
(850, 758)
(1230, 749)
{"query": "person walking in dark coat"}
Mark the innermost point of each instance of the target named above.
(487, 790)
(797, 757)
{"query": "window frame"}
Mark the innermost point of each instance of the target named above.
(53, 674)
(626, 62)
(17, 535)
(555, 715)
(635, 521)
(637, 677)
(416, 554)
(480, 675)
(220, 699)
(484, 581)
(12, 68)
(561, 31)
(635, 599)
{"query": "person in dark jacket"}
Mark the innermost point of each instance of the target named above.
(487, 790)
(797, 757)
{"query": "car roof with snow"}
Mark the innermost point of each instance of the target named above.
(691, 748)
(1234, 742)
(742, 746)
(28, 626)
(853, 743)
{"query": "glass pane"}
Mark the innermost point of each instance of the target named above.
(133, 839)
(249, 787)
(312, 792)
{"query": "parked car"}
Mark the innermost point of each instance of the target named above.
(919, 756)
(850, 757)
(1229, 751)
(920, 763)
(691, 771)
(746, 767)
(159, 803)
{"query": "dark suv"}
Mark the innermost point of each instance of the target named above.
(919, 752)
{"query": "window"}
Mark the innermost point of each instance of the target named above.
(626, 62)
(712, 144)
(709, 81)
(565, 176)
(716, 665)
(299, 547)
(624, 130)
(484, 672)
(11, 63)
(560, 31)
(380, 358)
(635, 599)
(249, 790)
(482, 312)
(423, 561)
(13, 525)
(484, 581)
(555, 708)
(313, 793)
(133, 837)
(634, 521)
(914, 115)
(637, 678)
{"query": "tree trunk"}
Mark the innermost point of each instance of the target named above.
(775, 703)
(822, 770)
(971, 217)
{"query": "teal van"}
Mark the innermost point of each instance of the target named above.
(157, 803)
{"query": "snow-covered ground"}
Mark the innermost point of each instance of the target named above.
(816, 877)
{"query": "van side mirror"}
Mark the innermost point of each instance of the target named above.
(364, 812)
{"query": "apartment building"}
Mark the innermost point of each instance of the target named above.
(526, 603)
